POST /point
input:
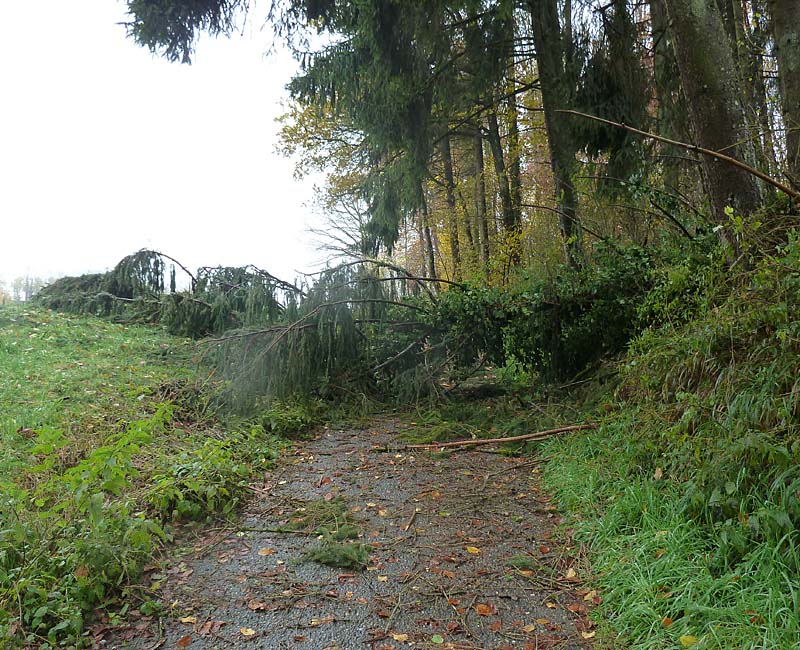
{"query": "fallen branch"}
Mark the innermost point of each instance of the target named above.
(539, 435)
(794, 194)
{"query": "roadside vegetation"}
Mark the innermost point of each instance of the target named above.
(108, 440)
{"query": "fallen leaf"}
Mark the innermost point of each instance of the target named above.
(550, 605)
(529, 628)
(437, 638)
(658, 474)
(687, 640)
(473, 549)
(659, 552)
(590, 596)
(588, 635)
(247, 632)
(184, 641)
(399, 637)
(189, 619)
(544, 549)
(263, 552)
(666, 621)
(570, 574)
(484, 609)
(256, 605)
(577, 608)
(299, 637)
(542, 621)
(383, 578)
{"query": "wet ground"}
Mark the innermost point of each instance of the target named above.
(463, 556)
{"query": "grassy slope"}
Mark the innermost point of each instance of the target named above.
(104, 437)
(689, 494)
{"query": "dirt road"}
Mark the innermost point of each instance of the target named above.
(453, 551)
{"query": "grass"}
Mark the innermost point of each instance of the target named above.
(654, 565)
(106, 436)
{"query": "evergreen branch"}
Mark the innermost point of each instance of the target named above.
(794, 194)
(183, 268)
(300, 323)
(405, 350)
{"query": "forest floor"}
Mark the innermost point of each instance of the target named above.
(460, 550)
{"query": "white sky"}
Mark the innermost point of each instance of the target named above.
(106, 149)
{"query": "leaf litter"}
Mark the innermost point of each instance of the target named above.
(345, 547)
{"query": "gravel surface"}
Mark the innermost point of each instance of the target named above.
(463, 557)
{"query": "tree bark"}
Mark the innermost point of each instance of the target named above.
(450, 198)
(785, 21)
(480, 199)
(709, 79)
(510, 220)
(557, 84)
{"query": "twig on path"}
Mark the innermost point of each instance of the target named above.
(539, 435)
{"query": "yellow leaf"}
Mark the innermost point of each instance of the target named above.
(542, 621)
(588, 597)
(189, 619)
(588, 635)
(687, 640)
(400, 637)
(529, 628)
(383, 578)
(265, 551)
(473, 549)
(550, 605)
(570, 573)
(247, 631)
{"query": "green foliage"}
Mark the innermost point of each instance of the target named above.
(690, 494)
(340, 555)
(93, 413)
(211, 479)
(556, 326)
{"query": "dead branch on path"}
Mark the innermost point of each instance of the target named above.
(539, 435)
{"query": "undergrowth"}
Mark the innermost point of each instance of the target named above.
(688, 495)
(107, 440)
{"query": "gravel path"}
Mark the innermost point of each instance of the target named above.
(463, 557)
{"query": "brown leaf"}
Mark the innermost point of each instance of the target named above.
(577, 608)
(256, 605)
(666, 621)
(484, 609)
(184, 641)
(496, 626)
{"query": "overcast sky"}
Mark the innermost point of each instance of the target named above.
(106, 149)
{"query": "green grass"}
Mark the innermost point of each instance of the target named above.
(655, 566)
(106, 437)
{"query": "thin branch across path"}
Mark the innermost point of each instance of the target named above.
(539, 435)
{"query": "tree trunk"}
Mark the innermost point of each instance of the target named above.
(709, 80)
(450, 198)
(430, 255)
(480, 200)
(557, 84)
(510, 220)
(785, 20)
